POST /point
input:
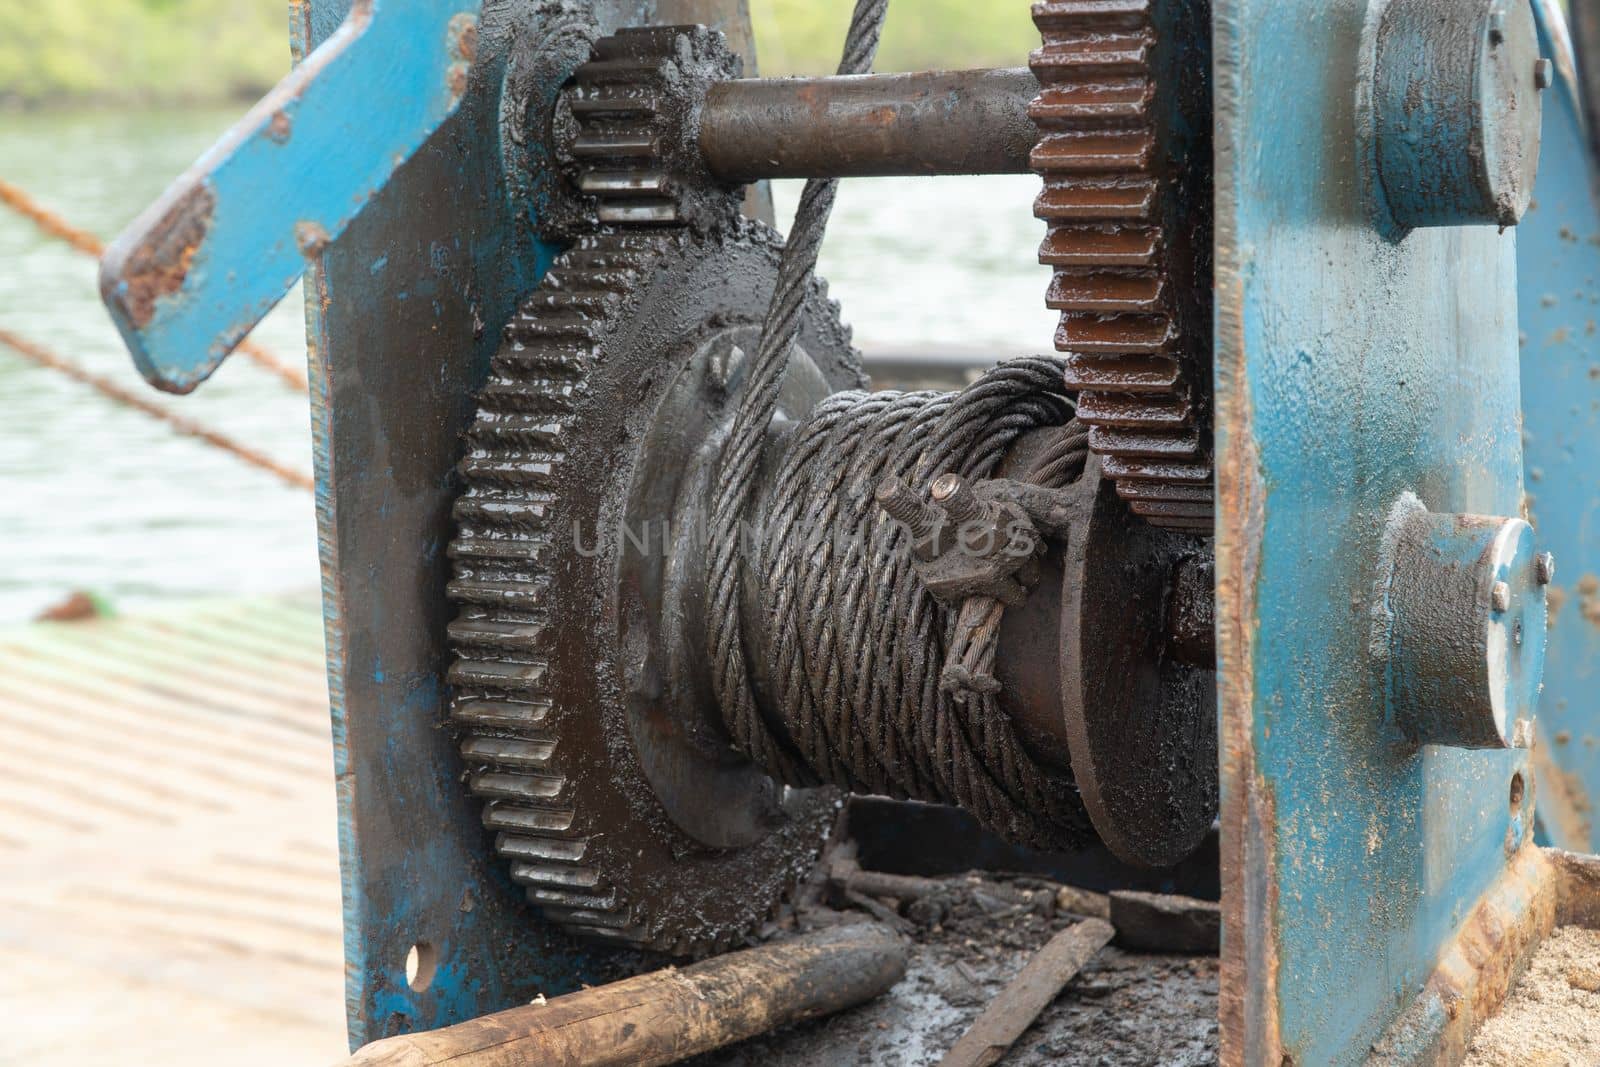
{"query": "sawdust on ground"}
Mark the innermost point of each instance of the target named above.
(1552, 1018)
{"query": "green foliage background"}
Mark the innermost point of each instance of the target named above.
(138, 52)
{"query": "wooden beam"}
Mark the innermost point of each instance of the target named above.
(669, 1015)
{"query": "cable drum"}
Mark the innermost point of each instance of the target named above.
(854, 642)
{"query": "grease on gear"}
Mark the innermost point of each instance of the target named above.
(556, 731)
(1115, 103)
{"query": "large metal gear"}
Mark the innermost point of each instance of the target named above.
(581, 681)
(595, 750)
(1126, 172)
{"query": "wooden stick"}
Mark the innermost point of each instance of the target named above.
(669, 1015)
(1155, 922)
(1030, 992)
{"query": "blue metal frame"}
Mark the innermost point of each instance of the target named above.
(1558, 260)
(202, 265)
(1350, 368)
(403, 314)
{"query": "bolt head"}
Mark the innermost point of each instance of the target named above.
(944, 487)
(1522, 734)
(722, 365)
(1544, 74)
(1544, 568)
(1500, 596)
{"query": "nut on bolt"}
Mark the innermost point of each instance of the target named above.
(1448, 110)
(1460, 615)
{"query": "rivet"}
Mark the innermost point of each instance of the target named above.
(1500, 596)
(1544, 74)
(1544, 568)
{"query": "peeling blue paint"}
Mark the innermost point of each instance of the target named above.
(190, 278)
(1350, 369)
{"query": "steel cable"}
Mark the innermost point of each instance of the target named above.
(738, 473)
(854, 641)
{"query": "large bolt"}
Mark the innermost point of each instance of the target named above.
(951, 492)
(920, 518)
(1450, 111)
(1461, 621)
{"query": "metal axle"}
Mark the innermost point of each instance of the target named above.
(940, 122)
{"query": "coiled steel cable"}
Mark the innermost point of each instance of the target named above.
(739, 470)
(856, 642)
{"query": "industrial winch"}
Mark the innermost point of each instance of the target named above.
(632, 575)
(703, 574)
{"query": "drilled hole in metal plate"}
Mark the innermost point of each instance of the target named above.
(1517, 788)
(421, 962)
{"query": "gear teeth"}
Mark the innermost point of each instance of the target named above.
(608, 901)
(500, 714)
(509, 593)
(488, 507)
(485, 633)
(510, 722)
(501, 815)
(517, 469)
(508, 752)
(542, 849)
(615, 923)
(1097, 199)
(500, 785)
(618, 145)
(500, 550)
(1098, 156)
(555, 875)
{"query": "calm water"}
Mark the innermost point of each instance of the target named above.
(102, 499)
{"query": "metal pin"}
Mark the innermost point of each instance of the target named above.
(1544, 74)
(907, 508)
(952, 492)
(1544, 568)
(1500, 596)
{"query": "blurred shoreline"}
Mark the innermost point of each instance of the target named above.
(70, 55)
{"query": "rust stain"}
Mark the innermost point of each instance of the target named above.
(280, 127)
(1248, 987)
(1589, 599)
(1578, 888)
(1556, 597)
(159, 266)
(1563, 801)
(463, 49)
(311, 237)
(1478, 968)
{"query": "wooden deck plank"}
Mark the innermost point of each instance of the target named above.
(168, 833)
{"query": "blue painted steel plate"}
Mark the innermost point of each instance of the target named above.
(1349, 370)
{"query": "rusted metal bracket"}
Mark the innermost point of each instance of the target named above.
(189, 279)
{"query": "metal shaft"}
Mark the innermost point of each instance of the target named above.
(940, 122)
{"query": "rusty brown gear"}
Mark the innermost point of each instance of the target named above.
(1124, 150)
